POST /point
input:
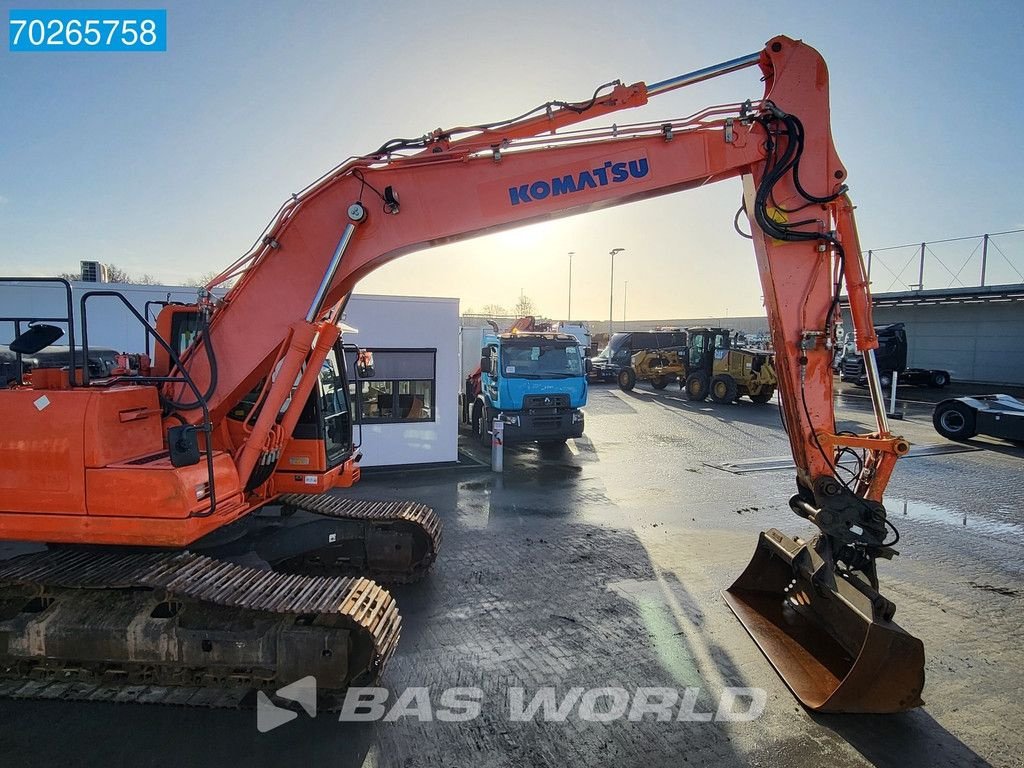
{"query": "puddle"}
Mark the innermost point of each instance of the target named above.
(902, 509)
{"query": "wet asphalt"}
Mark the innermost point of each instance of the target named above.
(600, 565)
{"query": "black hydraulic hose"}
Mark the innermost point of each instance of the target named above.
(212, 360)
(799, 127)
(790, 160)
(778, 167)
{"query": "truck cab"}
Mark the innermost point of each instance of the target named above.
(891, 358)
(534, 383)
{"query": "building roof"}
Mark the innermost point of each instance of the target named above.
(989, 294)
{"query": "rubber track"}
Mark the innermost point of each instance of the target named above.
(188, 575)
(345, 508)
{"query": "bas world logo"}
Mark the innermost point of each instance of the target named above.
(548, 704)
(269, 716)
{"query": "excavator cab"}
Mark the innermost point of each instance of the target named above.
(319, 455)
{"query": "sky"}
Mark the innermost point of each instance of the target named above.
(172, 163)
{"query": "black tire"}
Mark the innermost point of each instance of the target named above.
(955, 420)
(938, 379)
(626, 379)
(724, 388)
(484, 428)
(696, 386)
(659, 382)
(763, 395)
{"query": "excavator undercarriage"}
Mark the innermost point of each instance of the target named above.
(185, 627)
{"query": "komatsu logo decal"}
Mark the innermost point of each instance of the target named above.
(601, 176)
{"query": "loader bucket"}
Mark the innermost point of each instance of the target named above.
(832, 647)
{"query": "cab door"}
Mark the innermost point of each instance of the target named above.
(335, 410)
(321, 442)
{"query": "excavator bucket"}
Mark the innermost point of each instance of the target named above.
(834, 648)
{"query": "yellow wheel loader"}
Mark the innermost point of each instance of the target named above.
(709, 365)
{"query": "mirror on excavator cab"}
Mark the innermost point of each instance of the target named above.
(364, 364)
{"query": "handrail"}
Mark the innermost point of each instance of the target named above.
(207, 425)
(69, 320)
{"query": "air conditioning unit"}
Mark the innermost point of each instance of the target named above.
(93, 272)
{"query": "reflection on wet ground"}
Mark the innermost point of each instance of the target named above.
(920, 511)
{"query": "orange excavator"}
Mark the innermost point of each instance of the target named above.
(152, 489)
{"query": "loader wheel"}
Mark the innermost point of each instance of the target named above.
(955, 420)
(696, 386)
(659, 382)
(763, 395)
(938, 379)
(723, 388)
(627, 379)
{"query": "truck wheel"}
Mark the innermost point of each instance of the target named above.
(763, 395)
(723, 388)
(938, 379)
(696, 386)
(659, 382)
(627, 379)
(954, 420)
(484, 430)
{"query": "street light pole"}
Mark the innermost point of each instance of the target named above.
(611, 290)
(568, 317)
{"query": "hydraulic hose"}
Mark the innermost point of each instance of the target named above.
(211, 358)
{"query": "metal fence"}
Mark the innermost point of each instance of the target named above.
(960, 262)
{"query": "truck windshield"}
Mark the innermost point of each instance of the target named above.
(614, 344)
(541, 360)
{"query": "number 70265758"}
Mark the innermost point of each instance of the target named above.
(77, 31)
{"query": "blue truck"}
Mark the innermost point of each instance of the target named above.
(535, 383)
